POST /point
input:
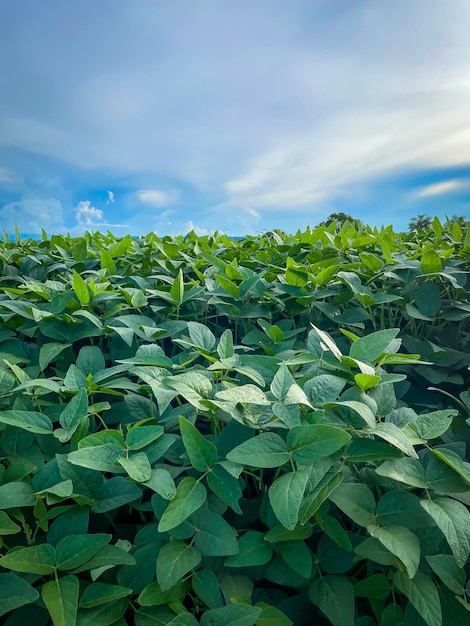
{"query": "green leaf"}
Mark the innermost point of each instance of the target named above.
(431, 262)
(177, 289)
(102, 458)
(104, 614)
(323, 389)
(202, 453)
(312, 442)
(114, 493)
(162, 483)
(90, 360)
(434, 424)
(100, 593)
(15, 592)
(402, 543)
(7, 525)
(70, 417)
(369, 348)
(141, 436)
(190, 496)
(249, 394)
(48, 353)
(32, 421)
(357, 501)
(32, 560)
(404, 470)
(286, 494)
(215, 536)
(174, 561)
(80, 288)
(153, 595)
(254, 550)
(61, 599)
(201, 336)
(137, 466)
(75, 550)
(271, 616)
(366, 381)
(358, 408)
(448, 570)
(453, 519)
(232, 615)
(422, 594)
(376, 587)
(428, 298)
(226, 486)
(225, 345)
(401, 508)
(395, 436)
(298, 556)
(453, 460)
(206, 586)
(362, 449)
(264, 450)
(334, 596)
(16, 494)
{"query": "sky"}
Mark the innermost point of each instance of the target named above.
(234, 115)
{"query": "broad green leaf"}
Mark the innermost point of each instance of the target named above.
(202, 453)
(48, 353)
(357, 501)
(206, 586)
(162, 483)
(362, 449)
(102, 458)
(226, 486)
(370, 347)
(104, 614)
(394, 435)
(154, 595)
(318, 494)
(7, 525)
(90, 360)
(271, 616)
(174, 561)
(15, 592)
(80, 288)
(232, 615)
(190, 496)
(334, 596)
(254, 550)
(215, 536)
(264, 450)
(100, 593)
(435, 424)
(401, 508)
(61, 599)
(366, 381)
(285, 496)
(280, 533)
(70, 417)
(75, 379)
(16, 494)
(430, 262)
(428, 298)
(453, 519)
(323, 389)
(402, 543)
(114, 493)
(141, 436)
(137, 466)
(201, 336)
(282, 382)
(327, 342)
(404, 470)
(75, 550)
(448, 570)
(177, 289)
(376, 586)
(453, 460)
(32, 421)
(298, 556)
(32, 560)
(422, 594)
(312, 442)
(360, 409)
(225, 345)
(249, 394)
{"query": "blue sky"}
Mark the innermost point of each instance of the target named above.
(236, 115)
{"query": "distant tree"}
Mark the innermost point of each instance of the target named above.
(340, 218)
(420, 222)
(457, 219)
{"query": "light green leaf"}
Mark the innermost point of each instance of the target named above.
(254, 550)
(264, 450)
(104, 614)
(7, 525)
(311, 442)
(435, 424)
(153, 595)
(100, 593)
(448, 570)
(366, 381)
(75, 550)
(75, 410)
(402, 543)
(453, 460)
(102, 458)
(226, 486)
(323, 389)
(422, 594)
(285, 496)
(225, 345)
(16, 494)
(177, 289)
(404, 470)
(453, 519)
(430, 262)
(32, 421)
(137, 466)
(141, 436)
(162, 483)
(190, 496)
(90, 360)
(334, 596)
(271, 616)
(201, 452)
(201, 336)
(357, 501)
(15, 592)
(391, 433)
(232, 615)
(369, 348)
(249, 394)
(114, 493)
(80, 288)
(359, 408)
(32, 560)
(61, 599)
(48, 353)
(174, 561)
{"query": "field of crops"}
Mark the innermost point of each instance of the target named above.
(267, 431)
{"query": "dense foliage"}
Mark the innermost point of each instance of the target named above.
(201, 430)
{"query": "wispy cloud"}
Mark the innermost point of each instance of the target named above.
(32, 215)
(111, 198)
(89, 218)
(444, 187)
(156, 198)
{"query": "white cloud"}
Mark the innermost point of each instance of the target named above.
(87, 215)
(439, 189)
(190, 225)
(156, 198)
(111, 198)
(33, 214)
